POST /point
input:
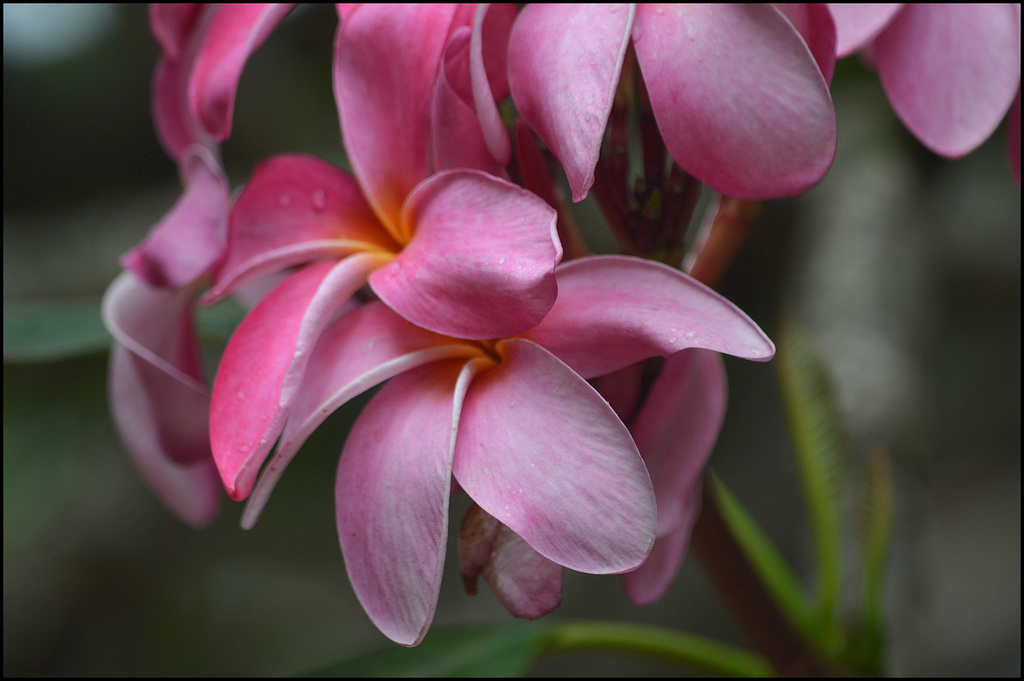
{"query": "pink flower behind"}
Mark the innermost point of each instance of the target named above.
(951, 71)
(738, 97)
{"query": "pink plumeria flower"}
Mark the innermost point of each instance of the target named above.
(459, 252)
(158, 395)
(951, 71)
(740, 101)
(512, 419)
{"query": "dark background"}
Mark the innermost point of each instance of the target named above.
(904, 267)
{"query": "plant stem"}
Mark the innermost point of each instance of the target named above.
(767, 630)
(665, 644)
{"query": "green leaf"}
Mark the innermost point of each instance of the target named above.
(867, 637)
(819, 448)
(775, 573)
(503, 650)
(51, 330)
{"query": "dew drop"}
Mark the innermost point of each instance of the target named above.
(285, 200)
(690, 335)
(672, 340)
(501, 260)
(241, 394)
(319, 200)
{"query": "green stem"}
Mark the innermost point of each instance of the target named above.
(664, 644)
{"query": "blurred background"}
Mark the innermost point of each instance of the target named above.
(904, 268)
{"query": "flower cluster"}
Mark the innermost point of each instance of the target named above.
(444, 267)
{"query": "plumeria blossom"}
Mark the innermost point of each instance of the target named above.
(458, 252)
(158, 395)
(951, 71)
(512, 420)
(740, 101)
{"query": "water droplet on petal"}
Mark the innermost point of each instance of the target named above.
(319, 200)
(501, 260)
(690, 335)
(285, 200)
(241, 394)
(672, 340)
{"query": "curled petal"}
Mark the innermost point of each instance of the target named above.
(677, 427)
(386, 60)
(493, 128)
(157, 397)
(527, 584)
(650, 581)
(171, 24)
(362, 348)
(858, 23)
(190, 490)
(295, 209)
(155, 327)
(613, 311)
(481, 263)
(264, 362)
(564, 64)
(190, 239)
(458, 140)
(231, 36)
(951, 71)
(543, 453)
(738, 98)
(392, 494)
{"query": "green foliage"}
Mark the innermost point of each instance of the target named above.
(50, 330)
(505, 651)
(819, 449)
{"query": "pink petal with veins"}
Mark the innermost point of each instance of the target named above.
(263, 365)
(295, 209)
(613, 311)
(190, 239)
(542, 452)
(481, 261)
(951, 71)
(392, 493)
(564, 63)
(738, 98)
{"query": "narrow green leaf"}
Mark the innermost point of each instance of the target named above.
(669, 645)
(503, 650)
(867, 638)
(818, 445)
(51, 330)
(773, 569)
